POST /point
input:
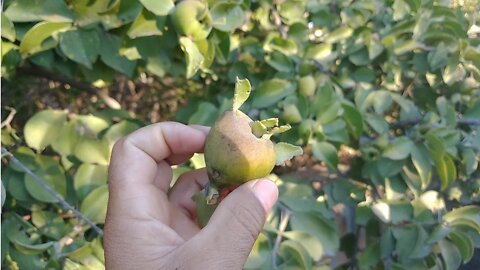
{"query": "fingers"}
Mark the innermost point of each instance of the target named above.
(135, 157)
(235, 225)
(187, 185)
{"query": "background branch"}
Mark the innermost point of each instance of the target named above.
(39, 72)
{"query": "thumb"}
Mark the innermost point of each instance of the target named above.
(237, 222)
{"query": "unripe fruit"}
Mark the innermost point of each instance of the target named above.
(191, 18)
(307, 85)
(291, 114)
(233, 154)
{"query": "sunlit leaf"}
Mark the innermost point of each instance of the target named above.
(286, 151)
(94, 206)
(42, 129)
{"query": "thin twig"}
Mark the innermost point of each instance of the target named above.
(278, 22)
(39, 72)
(57, 196)
(285, 217)
(9, 118)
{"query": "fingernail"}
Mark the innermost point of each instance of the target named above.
(266, 192)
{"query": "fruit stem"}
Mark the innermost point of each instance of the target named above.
(212, 194)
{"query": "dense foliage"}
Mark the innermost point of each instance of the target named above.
(383, 95)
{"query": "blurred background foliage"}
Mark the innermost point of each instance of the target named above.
(384, 96)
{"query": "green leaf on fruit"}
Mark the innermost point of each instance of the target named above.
(286, 151)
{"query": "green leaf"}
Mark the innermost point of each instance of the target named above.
(289, 248)
(399, 149)
(119, 130)
(206, 114)
(438, 58)
(339, 34)
(42, 129)
(93, 151)
(8, 29)
(32, 249)
(319, 52)
(446, 170)
(4, 193)
(67, 138)
(146, 24)
(271, 91)
(421, 162)
(400, 9)
(311, 244)
(354, 120)
(286, 151)
(469, 160)
(279, 61)
(110, 55)
(242, 92)
(377, 122)
(274, 42)
(406, 239)
(39, 37)
(193, 57)
(319, 227)
(37, 10)
(90, 125)
(453, 73)
(260, 256)
(326, 152)
(89, 177)
(15, 184)
(207, 48)
(369, 257)
(402, 47)
(393, 212)
(50, 223)
(439, 233)
(197, 161)
(158, 7)
(54, 177)
(470, 212)
(464, 244)
(80, 46)
(94, 206)
(226, 16)
(291, 114)
(450, 254)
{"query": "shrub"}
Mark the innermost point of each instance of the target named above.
(383, 95)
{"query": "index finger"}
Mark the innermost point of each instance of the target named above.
(135, 158)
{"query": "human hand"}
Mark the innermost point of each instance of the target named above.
(149, 226)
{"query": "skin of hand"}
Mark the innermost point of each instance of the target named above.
(152, 226)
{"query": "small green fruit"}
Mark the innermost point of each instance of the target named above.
(191, 18)
(307, 85)
(233, 154)
(291, 114)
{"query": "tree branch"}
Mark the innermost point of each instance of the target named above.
(278, 21)
(39, 72)
(52, 192)
(9, 118)
(285, 217)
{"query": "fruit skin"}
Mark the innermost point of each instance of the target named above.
(233, 155)
(187, 17)
(307, 85)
